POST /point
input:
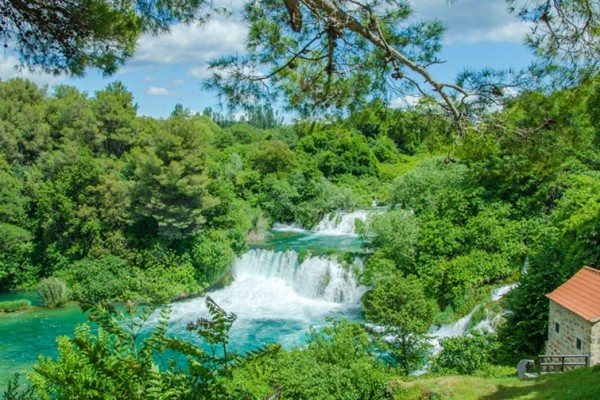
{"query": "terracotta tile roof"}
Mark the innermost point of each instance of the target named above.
(580, 294)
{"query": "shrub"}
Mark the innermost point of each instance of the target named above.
(211, 255)
(14, 305)
(96, 280)
(465, 354)
(54, 292)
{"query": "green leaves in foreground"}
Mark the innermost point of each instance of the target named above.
(124, 359)
(121, 357)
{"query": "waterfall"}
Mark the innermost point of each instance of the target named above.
(500, 292)
(288, 227)
(278, 299)
(464, 325)
(341, 223)
(321, 277)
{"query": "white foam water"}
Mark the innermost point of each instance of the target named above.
(341, 223)
(277, 299)
(462, 326)
(288, 227)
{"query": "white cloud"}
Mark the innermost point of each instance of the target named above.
(405, 102)
(192, 43)
(473, 21)
(199, 72)
(9, 69)
(176, 82)
(160, 91)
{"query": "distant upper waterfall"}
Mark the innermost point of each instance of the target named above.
(317, 277)
(341, 223)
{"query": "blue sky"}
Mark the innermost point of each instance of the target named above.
(169, 69)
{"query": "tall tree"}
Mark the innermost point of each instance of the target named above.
(400, 305)
(170, 192)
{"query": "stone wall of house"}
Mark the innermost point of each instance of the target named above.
(595, 344)
(570, 328)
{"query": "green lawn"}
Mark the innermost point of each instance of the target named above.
(583, 383)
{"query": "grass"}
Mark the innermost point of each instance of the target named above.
(14, 305)
(582, 383)
(53, 291)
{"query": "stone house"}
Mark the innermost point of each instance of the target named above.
(574, 321)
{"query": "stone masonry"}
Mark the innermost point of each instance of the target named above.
(570, 328)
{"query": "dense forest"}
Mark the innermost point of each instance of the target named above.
(121, 207)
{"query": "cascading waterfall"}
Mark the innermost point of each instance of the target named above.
(341, 223)
(278, 299)
(288, 227)
(321, 277)
(463, 325)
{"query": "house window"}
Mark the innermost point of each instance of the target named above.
(578, 343)
(556, 327)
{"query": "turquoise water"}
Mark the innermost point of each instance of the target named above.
(24, 335)
(275, 298)
(315, 242)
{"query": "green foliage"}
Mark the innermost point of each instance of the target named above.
(465, 355)
(273, 156)
(435, 189)
(278, 198)
(339, 152)
(12, 201)
(70, 36)
(337, 363)
(303, 255)
(161, 274)
(122, 360)
(394, 235)
(96, 280)
(312, 68)
(562, 36)
(14, 305)
(401, 306)
(446, 233)
(18, 390)
(538, 135)
(53, 291)
(16, 248)
(115, 112)
(211, 255)
(171, 185)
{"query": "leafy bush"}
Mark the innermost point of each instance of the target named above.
(303, 255)
(54, 292)
(465, 354)
(211, 255)
(337, 364)
(14, 305)
(405, 312)
(95, 280)
(161, 275)
(117, 361)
